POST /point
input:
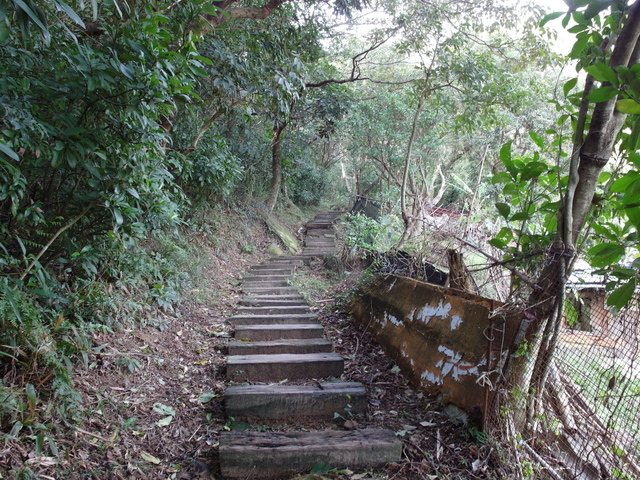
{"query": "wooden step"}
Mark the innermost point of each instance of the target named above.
(267, 283)
(270, 267)
(288, 296)
(265, 302)
(269, 368)
(273, 319)
(270, 290)
(307, 345)
(289, 260)
(265, 277)
(278, 455)
(261, 333)
(293, 402)
(288, 310)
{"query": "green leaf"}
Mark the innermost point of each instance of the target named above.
(622, 295)
(503, 209)
(632, 192)
(604, 231)
(501, 177)
(207, 397)
(4, 32)
(532, 170)
(632, 140)
(126, 71)
(605, 254)
(633, 214)
(35, 15)
(4, 148)
(211, 9)
(39, 444)
(621, 184)
(537, 139)
(551, 16)
(603, 94)
(579, 46)
(60, 5)
(520, 216)
(320, 468)
(118, 216)
(505, 157)
(32, 397)
(595, 7)
(628, 106)
(569, 85)
(602, 73)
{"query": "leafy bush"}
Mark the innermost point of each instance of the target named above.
(211, 172)
(369, 235)
(306, 184)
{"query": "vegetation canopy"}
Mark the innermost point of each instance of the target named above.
(127, 127)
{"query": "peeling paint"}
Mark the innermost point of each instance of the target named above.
(456, 321)
(455, 367)
(392, 319)
(430, 377)
(429, 311)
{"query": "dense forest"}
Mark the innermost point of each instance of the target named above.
(130, 131)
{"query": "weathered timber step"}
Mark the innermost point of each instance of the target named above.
(265, 302)
(270, 290)
(264, 277)
(289, 260)
(268, 368)
(272, 267)
(261, 333)
(277, 455)
(320, 244)
(320, 234)
(267, 283)
(290, 296)
(273, 319)
(288, 310)
(307, 345)
(269, 403)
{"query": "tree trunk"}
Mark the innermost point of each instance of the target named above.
(276, 164)
(544, 310)
(406, 218)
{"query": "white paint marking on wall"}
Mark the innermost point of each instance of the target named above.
(429, 311)
(455, 367)
(431, 378)
(456, 321)
(392, 319)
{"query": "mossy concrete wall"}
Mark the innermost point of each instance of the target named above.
(444, 340)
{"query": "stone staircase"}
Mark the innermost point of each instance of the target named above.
(277, 340)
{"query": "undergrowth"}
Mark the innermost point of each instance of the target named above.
(48, 321)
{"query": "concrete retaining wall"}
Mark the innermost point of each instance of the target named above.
(442, 339)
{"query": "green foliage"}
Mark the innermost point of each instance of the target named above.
(210, 172)
(529, 204)
(306, 183)
(365, 235)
